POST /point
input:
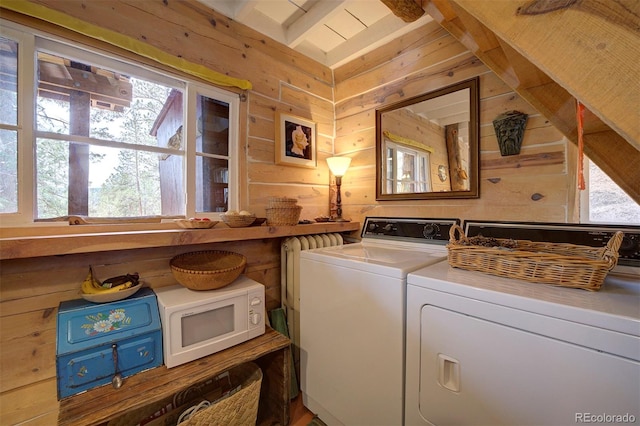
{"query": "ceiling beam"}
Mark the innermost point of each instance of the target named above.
(242, 9)
(580, 46)
(407, 10)
(380, 33)
(319, 13)
(546, 94)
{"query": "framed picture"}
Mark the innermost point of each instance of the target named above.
(295, 141)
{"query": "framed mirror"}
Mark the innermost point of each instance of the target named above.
(427, 147)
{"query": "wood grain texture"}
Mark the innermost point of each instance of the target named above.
(30, 294)
(595, 39)
(540, 169)
(161, 382)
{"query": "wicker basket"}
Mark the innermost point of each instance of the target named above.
(560, 264)
(196, 224)
(238, 220)
(207, 270)
(283, 216)
(280, 202)
(241, 408)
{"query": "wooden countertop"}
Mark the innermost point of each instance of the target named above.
(87, 239)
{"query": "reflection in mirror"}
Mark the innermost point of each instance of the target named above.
(427, 146)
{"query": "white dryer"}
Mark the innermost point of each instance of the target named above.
(485, 350)
(352, 314)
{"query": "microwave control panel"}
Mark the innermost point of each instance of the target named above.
(256, 309)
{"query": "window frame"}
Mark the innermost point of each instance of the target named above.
(585, 199)
(31, 41)
(25, 114)
(419, 180)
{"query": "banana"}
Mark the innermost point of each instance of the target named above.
(90, 285)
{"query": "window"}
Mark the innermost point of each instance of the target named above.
(407, 170)
(9, 129)
(109, 138)
(604, 202)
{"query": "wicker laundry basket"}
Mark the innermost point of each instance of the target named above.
(560, 264)
(241, 408)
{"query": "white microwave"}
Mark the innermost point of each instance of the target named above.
(199, 323)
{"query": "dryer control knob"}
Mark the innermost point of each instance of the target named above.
(430, 230)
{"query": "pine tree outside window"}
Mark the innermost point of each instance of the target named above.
(111, 138)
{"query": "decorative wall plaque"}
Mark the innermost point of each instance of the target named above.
(509, 129)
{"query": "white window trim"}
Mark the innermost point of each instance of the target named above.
(26, 114)
(192, 92)
(31, 40)
(418, 156)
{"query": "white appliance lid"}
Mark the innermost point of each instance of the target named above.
(392, 259)
(615, 307)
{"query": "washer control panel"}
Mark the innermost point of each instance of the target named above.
(429, 231)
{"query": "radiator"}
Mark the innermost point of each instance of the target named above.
(290, 279)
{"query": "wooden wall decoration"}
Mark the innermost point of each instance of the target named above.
(509, 127)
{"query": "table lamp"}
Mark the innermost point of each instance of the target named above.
(338, 166)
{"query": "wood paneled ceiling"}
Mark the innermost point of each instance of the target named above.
(331, 32)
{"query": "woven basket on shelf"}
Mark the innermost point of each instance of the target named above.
(238, 220)
(278, 202)
(560, 264)
(283, 216)
(241, 408)
(207, 270)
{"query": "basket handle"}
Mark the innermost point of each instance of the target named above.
(452, 234)
(610, 251)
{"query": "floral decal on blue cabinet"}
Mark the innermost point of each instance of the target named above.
(105, 322)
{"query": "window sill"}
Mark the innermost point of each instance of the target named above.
(16, 243)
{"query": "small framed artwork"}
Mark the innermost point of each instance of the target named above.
(295, 141)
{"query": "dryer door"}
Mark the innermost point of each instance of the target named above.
(477, 370)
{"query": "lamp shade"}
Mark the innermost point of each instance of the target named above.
(338, 165)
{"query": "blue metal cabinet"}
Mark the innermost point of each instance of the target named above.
(93, 338)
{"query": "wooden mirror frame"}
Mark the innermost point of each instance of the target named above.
(474, 145)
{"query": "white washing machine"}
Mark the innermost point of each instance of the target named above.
(352, 313)
(485, 350)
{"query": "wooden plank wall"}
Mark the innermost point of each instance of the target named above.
(283, 80)
(535, 185)
(31, 289)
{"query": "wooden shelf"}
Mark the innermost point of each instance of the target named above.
(97, 239)
(270, 351)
